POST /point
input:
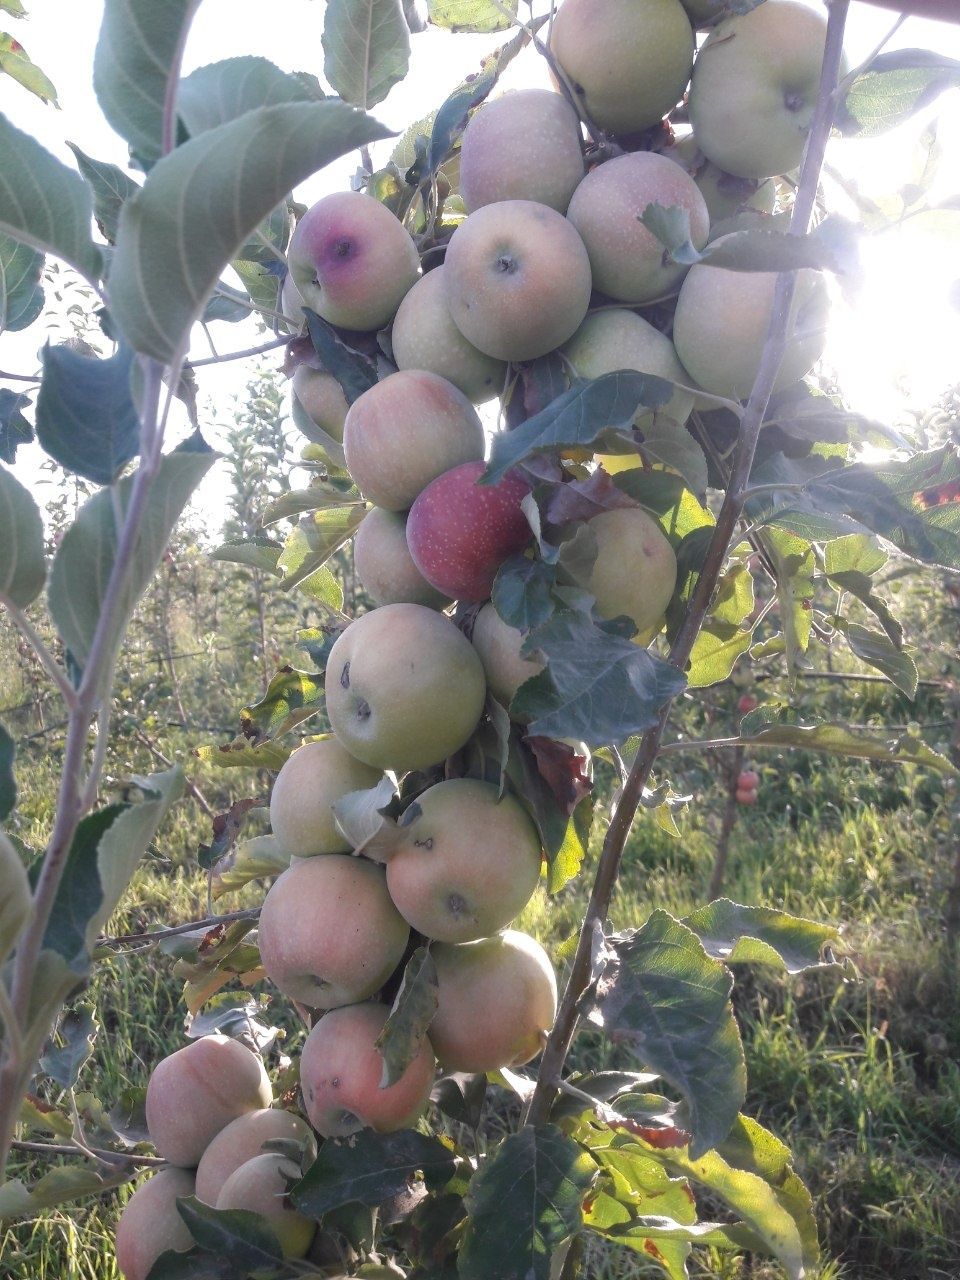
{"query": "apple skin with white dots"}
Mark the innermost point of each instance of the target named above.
(460, 532)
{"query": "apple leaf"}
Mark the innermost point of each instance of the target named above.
(77, 1030)
(851, 563)
(292, 696)
(366, 819)
(524, 1202)
(16, 63)
(878, 650)
(245, 1240)
(221, 91)
(252, 859)
(61, 1184)
(44, 204)
(411, 1014)
(371, 1168)
(86, 417)
(315, 539)
(241, 754)
(523, 591)
(476, 16)
(737, 934)
(296, 502)
(21, 291)
(366, 49)
(892, 88)
(23, 567)
(16, 905)
(256, 551)
(662, 994)
(355, 372)
(110, 187)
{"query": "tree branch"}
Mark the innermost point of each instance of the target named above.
(249, 913)
(46, 658)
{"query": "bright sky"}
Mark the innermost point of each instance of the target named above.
(894, 347)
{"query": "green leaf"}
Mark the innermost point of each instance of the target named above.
(366, 49)
(523, 592)
(63, 1063)
(257, 552)
(86, 418)
(17, 1200)
(222, 91)
(245, 1240)
(23, 568)
(252, 859)
(371, 1168)
(893, 87)
(21, 291)
(794, 564)
(319, 583)
(292, 696)
(84, 560)
(314, 541)
(589, 413)
(850, 563)
(366, 819)
(481, 16)
(878, 650)
(16, 902)
(598, 686)
(226, 180)
(16, 63)
(13, 7)
(727, 631)
(261, 284)
(737, 934)
(241, 754)
(111, 188)
(296, 502)
(138, 56)
(44, 204)
(524, 1201)
(15, 430)
(660, 992)
(355, 372)
(411, 1014)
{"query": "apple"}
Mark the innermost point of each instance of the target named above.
(260, 1186)
(329, 934)
(628, 60)
(635, 571)
(352, 260)
(243, 1139)
(755, 85)
(725, 194)
(291, 302)
(628, 261)
(194, 1093)
(721, 323)
(746, 795)
(322, 400)
(619, 339)
(525, 145)
(460, 532)
(517, 279)
(341, 1069)
(315, 775)
(150, 1223)
(405, 688)
(748, 702)
(748, 780)
(497, 1001)
(498, 645)
(384, 565)
(425, 337)
(404, 432)
(467, 864)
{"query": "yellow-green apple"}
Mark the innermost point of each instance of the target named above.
(384, 565)
(522, 146)
(405, 688)
(754, 87)
(329, 933)
(260, 1186)
(195, 1092)
(425, 337)
(341, 1069)
(635, 571)
(315, 775)
(497, 1000)
(725, 194)
(466, 864)
(627, 260)
(150, 1224)
(721, 322)
(460, 532)
(243, 1139)
(352, 260)
(517, 279)
(628, 60)
(322, 400)
(404, 432)
(498, 645)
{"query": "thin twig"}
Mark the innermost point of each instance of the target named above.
(157, 935)
(98, 1153)
(18, 377)
(241, 355)
(46, 658)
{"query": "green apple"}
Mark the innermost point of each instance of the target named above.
(322, 400)
(498, 645)
(260, 1186)
(405, 688)
(385, 566)
(635, 571)
(243, 1139)
(315, 775)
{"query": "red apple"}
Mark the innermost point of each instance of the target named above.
(460, 532)
(746, 795)
(748, 702)
(748, 780)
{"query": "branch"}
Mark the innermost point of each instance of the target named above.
(47, 660)
(100, 1153)
(564, 1028)
(18, 377)
(242, 355)
(249, 913)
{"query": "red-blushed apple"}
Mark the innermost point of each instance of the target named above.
(628, 60)
(260, 1186)
(635, 571)
(467, 864)
(150, 1223)
(243, 1139)
(385, 566)
(498, 645)
(525, 145)
(194, 1093)
(748, 780)
(405, 688)
(329, 933)
(321, 398)
(497, 1001)
(628, 261)
(315, 775)
(517, 279)
(425, 337)
(460, 532)
(341, 1069)
(755, 86)
(404, 432)
(747, 795)
(352, 260)
(747, 702)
